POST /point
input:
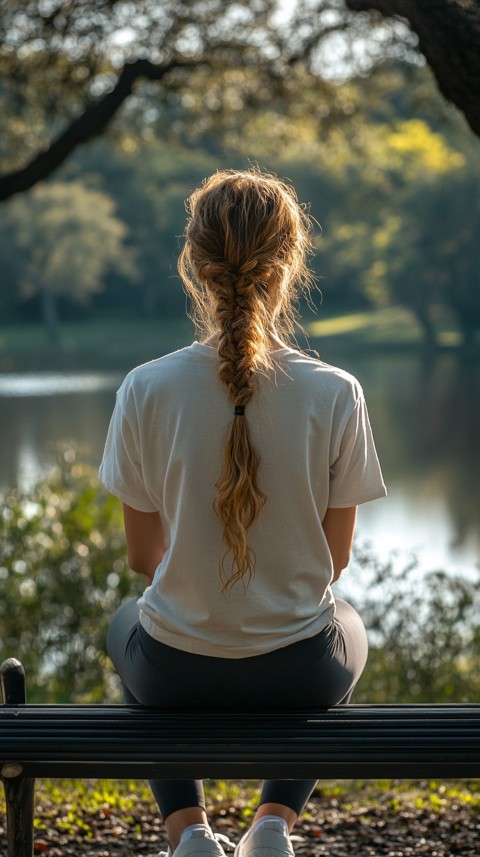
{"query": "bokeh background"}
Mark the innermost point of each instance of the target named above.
(112, 112)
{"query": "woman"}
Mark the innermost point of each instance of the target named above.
(240, 463)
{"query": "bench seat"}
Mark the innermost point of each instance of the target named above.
(352, 741)
(125, 741)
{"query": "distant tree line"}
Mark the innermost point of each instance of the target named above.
(395, 196)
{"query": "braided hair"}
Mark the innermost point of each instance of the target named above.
(243, 265)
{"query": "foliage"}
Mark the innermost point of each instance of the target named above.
(424, 633)
(388, 171)
(65, 238)
(150, 185)
(69, 67)
(68, 235)
(64, 572)
(407, 239)
(53, 62)
(121, 815)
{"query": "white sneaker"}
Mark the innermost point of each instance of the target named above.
(199, 840)
(267, 838)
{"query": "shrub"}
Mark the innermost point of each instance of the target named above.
(424, 631)
(63, 572)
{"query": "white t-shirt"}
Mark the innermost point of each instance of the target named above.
(309, 425)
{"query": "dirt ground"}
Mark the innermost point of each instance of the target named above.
(390, 821)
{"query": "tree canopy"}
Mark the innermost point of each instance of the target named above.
(67, 68)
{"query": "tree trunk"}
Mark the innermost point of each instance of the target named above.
(425, 322)
(50, 315)
(468, 320)
(449, 38)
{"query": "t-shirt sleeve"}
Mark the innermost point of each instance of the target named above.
(121, 467)
(355, 473)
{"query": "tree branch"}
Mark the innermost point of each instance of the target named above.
(449, 38)
(90, 124)
(309, 45)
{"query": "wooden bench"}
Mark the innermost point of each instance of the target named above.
(123, 741)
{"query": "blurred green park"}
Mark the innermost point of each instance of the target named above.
(389, 171)
(113, 113)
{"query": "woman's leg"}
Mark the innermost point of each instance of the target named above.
(181, 802)
(340, 668)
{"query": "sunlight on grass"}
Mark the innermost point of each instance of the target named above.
(375, 326)
(77, 796)
(98, 343)
(450, 338)
(340, 325)
(126, 807)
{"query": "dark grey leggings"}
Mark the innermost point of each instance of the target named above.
(318, 672)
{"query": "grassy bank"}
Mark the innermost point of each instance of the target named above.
(110, 343)
(388, 329)
(101, 343)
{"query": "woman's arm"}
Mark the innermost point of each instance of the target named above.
(339, 527)
(145, 540)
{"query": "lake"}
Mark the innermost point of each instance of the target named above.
(426, 421)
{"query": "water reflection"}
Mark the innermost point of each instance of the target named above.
(49, 384)
(32, 424)
(28, 465)
(426, 418)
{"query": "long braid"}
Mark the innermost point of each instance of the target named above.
(243, 264)
(239, 500)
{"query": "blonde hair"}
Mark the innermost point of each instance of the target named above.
(243, 264)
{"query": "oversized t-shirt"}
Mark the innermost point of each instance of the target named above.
(309, 425)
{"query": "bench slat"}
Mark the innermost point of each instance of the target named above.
(356, 741)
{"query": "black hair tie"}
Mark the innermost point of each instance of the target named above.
(239, 410)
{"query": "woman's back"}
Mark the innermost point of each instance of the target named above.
(308, 423)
